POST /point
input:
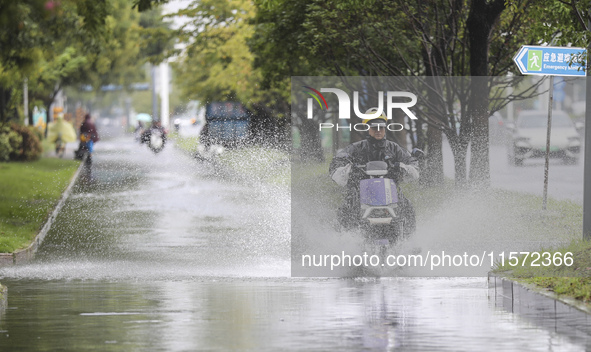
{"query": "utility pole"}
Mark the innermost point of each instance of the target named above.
(164, 105)
(26, 101)
(154, 95)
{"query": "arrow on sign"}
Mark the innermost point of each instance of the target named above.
(518, 58)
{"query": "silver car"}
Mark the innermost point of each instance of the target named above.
(529, 137)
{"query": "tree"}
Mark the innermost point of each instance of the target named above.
(20, 32)
(51, 76)
(419, 38)
(29, 32)
(282, 49)
(217, 63)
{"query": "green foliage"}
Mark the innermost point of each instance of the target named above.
(21, 23)
(314, 37)
(218, 63)
(94, 14)
(187, 144)
(579, 267)
(25, 147)
(70, 52)
(145, 5)
(411, 38)
(55, 44)
(281, 46)
(569, 280)
(563, 22)
(63, 65)
(156, 39)
(5, 147)
(258, 164)
(52, 43)
(132, 39)
(576, 287)
(10, 140)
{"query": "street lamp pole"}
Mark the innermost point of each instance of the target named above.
(587, 169)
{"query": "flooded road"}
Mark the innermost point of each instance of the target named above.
(161, 253)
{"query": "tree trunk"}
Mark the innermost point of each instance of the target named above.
(459, 150)
(47, 107)
(478, 111)
(5, 95)
(433, 175)
(433, 169)
(30, 117)
(481, 20)
(460, 166)
(310, 145)
(400, 136)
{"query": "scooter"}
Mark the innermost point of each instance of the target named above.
(381, 212)
(155, 138)
(384, 214)
(84, 149)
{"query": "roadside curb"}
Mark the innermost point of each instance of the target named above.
(560, 314)
(24, 255)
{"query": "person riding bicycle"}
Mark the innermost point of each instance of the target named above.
(61, 132)
(403, 166)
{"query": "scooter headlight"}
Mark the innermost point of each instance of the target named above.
(380, 213)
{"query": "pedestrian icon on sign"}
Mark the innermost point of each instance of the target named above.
(534, 60)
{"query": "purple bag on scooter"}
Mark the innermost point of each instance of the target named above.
(378, 191)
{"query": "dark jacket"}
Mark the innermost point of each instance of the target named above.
(89, 128)
(372, 150)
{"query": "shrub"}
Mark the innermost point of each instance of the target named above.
(5, 148)
(9, 140)
(29, 147)
(37, 132)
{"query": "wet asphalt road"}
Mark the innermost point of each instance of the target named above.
(565, 181)
(161, 253)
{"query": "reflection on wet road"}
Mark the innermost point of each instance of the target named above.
(161, 253)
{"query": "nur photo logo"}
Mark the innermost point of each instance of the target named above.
(344, 107)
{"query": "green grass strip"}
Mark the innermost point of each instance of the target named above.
(258, 163)
(187, 144)
(28, 193)
(570, 277)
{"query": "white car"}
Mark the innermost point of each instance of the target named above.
(529, 137)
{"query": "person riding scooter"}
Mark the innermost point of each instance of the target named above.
(147, 133)
(376, 147)
(155, 137)
(88, 137)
